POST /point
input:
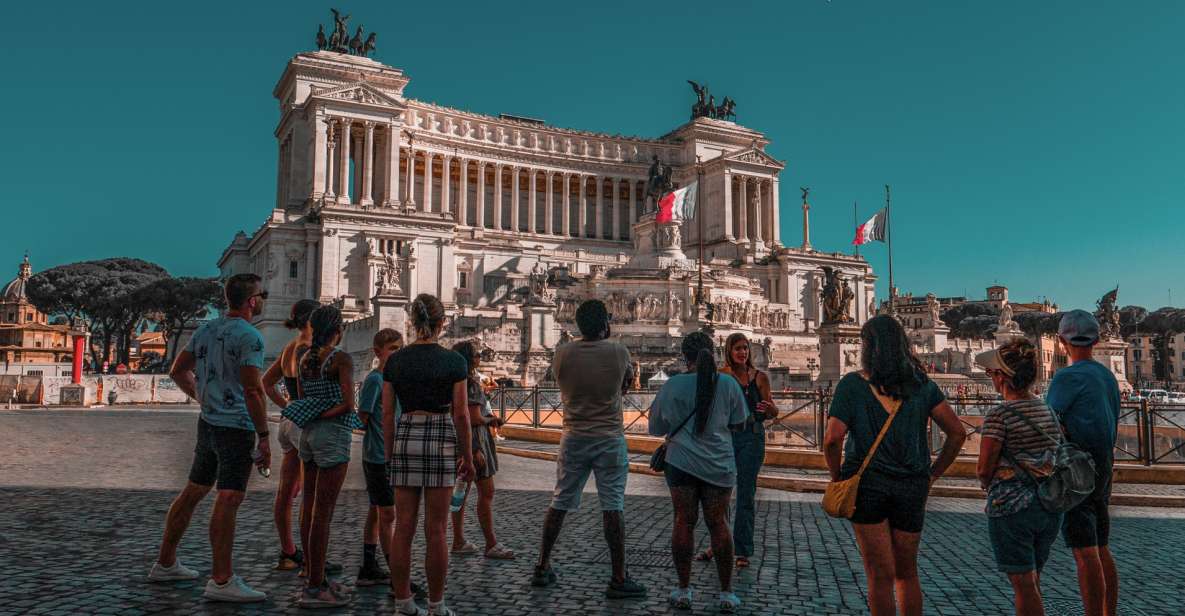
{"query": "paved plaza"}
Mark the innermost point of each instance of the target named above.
(84, 495)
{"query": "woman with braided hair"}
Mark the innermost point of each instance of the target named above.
(325, 414)
(429, 381)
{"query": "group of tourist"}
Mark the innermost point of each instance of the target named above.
(428, 428)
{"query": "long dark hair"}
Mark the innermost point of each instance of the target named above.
(301, 311)
(468, 350)
(888, 360)
(697, 349)
(326, 322)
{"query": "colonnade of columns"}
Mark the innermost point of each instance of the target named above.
(751, 209)
(477, 193)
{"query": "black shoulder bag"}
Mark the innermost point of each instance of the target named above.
(658, 459)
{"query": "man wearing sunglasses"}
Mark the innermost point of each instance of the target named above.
(221, 368)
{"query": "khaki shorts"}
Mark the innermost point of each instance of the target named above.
(288, 435)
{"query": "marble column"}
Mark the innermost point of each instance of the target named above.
(566, 214)
(775, 236)
(463, 191)
(629, 228)
(310, 253)
(599, 208)
(368, 166)
(427, 207)
(758, 232)
(728, 232)
(533, 203)
(497, 196)
(582, 230)
(343, 165)
(616, 233)
(329, 160)
(392, 166)
(480, 212)
(358, 174)
(515, 214)
(744, 207)
(410, 201)
(320, 161)
(549, 203)
(446, 180)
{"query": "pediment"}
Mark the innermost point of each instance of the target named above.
(361, 93)
(755, 157)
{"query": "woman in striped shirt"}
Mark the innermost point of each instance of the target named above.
(1019, 439)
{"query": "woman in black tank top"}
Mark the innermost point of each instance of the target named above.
(748, 443)
(285, 367)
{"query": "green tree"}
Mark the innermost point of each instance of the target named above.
(971, 320)
(98, 294)
(179, 301)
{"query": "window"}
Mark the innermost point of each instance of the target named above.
(1136, 353)
(28, 316)
(37, 344)
(12, 317)
(293, 268)
(462, 280)
(33, 373)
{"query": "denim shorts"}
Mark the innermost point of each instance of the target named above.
(325, 442)
(1021, 541)
(606, 457)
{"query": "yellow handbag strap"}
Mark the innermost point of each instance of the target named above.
(891, 407)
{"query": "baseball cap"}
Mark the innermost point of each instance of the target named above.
(1079, 328)
(991, 360)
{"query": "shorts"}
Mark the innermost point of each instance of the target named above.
(483, 443)
(679, 478)
(288, 435)
(378, 484)
(1021, 542)
(1089, 524)
(325, 442)
(222, 455)
(425, 451)
(607, 457)
(900, 500)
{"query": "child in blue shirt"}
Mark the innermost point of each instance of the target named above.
(380, 518)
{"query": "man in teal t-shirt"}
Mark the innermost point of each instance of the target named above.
(221, 368)
(380, 517)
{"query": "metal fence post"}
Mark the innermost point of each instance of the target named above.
(1144, 425)
(535, 406)
(820, 422)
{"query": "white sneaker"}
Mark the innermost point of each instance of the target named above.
(178, 571)
(235, 590)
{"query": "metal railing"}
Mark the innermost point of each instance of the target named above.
(1149, 433)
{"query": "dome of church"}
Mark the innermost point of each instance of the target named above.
(14, 291)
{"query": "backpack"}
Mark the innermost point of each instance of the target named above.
(1072, 479)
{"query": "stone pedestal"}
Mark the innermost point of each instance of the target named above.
(1006, 334)
(391, 311)
(657, 245)
(541, 330)
(839, 351)
(73, 395)
(1112, 353)
(936, 336)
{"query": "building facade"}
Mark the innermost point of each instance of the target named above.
(29, 344)
(511, 222)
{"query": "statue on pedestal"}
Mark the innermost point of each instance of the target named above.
(837, 297)
(339, 40)
(1108, 315)
(1006, 323)
(658, 183)
(388, 279)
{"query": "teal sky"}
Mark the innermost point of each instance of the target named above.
(1035, 144)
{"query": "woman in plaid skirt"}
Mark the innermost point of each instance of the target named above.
(429, 381)
(485, 459)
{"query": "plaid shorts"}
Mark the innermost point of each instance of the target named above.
(425, 452)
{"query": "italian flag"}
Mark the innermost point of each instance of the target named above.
(874, 229)
(679, 204)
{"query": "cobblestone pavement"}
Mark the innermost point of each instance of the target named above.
(84, 496)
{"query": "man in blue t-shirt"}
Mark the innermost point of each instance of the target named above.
(221, 368)
(1085, 397)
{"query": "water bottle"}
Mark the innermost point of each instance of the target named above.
(459, 491)
(257, 457)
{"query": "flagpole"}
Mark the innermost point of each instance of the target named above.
(889, 241)
(855, 223)
(699, 216)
